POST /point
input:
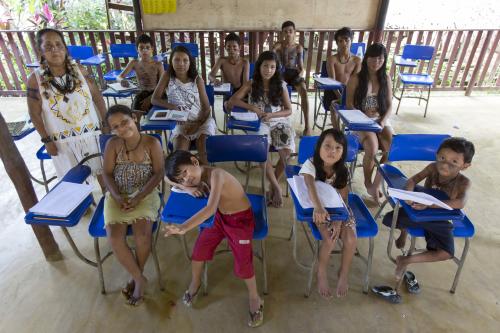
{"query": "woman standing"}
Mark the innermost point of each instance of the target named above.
(65, 106)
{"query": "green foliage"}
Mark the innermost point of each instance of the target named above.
(86, 15)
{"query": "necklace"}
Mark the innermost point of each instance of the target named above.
(340, 60)
(127, 150)
(63, 84)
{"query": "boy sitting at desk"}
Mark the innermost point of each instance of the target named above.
(148, 72)
(234, 220)
(454, 155)
(290, 55)
(235, 70)
(340, 66)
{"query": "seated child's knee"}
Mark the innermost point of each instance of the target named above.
(349, 240)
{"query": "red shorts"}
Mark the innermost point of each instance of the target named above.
(237, 228)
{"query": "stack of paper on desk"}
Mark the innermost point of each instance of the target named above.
(117, 86)
(170, 115)
(62, 199)
(327, 81)
(356, 117)
(245, 116)
(329, 197)
(225, 87)
(419, 197)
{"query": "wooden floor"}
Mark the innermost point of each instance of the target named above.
(41, 296)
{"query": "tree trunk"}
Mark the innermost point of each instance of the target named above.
(19, 175)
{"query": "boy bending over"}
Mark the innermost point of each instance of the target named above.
(234, 221)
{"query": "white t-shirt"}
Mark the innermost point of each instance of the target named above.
(309, 169)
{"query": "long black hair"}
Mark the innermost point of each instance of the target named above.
(339, 169)
(192, 71)
(374, 50)
(275, 83)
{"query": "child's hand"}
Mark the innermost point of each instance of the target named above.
(200, 191)
(335, 231)
(173, 230)
(266, 117)
(190, 127)
(419, 206)
(320, 215)
(132, 203)
(125, 83)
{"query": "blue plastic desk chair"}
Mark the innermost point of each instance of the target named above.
(412, 54)
(97, 229)
(421, 147)
(366, 227)
(251, 68)
(358, 49)
(121, 51)
(320, 87)
(80, 52)
(192, 48)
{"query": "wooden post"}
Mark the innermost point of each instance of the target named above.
(380, 23)
(137, 16)
(19, 175)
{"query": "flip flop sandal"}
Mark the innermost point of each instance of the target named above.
(188, 299)
(411, 283)
(257, 317)
(387, 293)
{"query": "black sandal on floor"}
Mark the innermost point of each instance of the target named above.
(411, 283)
(387, 293)
(188, 299)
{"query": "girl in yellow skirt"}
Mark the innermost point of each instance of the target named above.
(133, 168)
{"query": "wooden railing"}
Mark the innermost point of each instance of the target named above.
(464, 59)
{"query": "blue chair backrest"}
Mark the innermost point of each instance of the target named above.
(192, 48)
(123, 51)
(415, 147)
(250, 70)
(356, 46)
(210, 93)
(79, 52)
(103, 140)
(308, 144)
(289, 88)
(244, 148)
(417, 52)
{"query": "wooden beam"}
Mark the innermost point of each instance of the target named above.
(19, 175)
(137, 16)
(119, 6)
(380, 23)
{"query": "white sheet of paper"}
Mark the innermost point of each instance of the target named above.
(62, 200)
(225, 87)
(117, 86)
(419, 197)
(327, 81)
(329, 197)
(245, 116)
(356, 116)
(170, 115)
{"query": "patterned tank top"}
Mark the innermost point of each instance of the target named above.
(132, 176)
(185, 94)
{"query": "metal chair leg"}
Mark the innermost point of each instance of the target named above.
(311, 270)
(427, 101)
(368, 266)
(400, 98)
(99, 264)
(264, 265)
(460, 265)
(157, 267)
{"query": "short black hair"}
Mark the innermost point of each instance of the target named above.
(174, 161)
(344, 32)
(144, 39)
(459, 146)
(288, 24)
(232, 37)
(118, 108)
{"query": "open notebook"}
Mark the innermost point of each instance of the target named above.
(329, 197)
(327, 81)
(245, 116)
(223, 88)
(118, 87)
(420, 197)
(62, 199)
(170, 115)
(356, 116)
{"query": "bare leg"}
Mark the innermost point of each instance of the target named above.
(116, 234)
(275, 193)
(283, 161)
(196, 271)
(370, 146)
(181, 143)
(202, 148)
(401, 241)
(142, 230)
(349, 241)
(427, 256)
(304, 105)
(253, 295)
(385, 140)
(325, 249)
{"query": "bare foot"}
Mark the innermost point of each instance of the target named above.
(342, 286)
(323, 287)
(401, 241)
(375, 193)
(400, 267)
(137, 296)
(128, 289)
(307, 132)
(269, 197)
(277, 197)
(254, 304)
